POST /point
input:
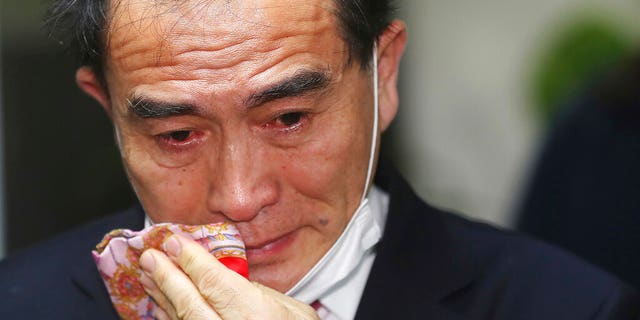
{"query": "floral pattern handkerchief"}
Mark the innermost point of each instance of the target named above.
(117, 259)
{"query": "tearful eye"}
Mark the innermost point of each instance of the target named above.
(178, 147)
(290, 119)
(288, 122)
(178, 136)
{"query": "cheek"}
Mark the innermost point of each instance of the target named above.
(167, 194)
(332, 167)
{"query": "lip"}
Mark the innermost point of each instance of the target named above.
(266, 250)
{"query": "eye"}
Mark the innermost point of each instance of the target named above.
(177, 137)
(181, 135)
(290, 119)
(289, 122)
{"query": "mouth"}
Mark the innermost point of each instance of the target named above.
(266, 251)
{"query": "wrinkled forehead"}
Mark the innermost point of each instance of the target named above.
(223, 23)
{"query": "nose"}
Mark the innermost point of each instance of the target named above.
(241, 185)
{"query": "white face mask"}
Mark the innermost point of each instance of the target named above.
(358, 236)
(374, 130)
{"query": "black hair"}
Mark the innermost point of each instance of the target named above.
(81, 26)
(361, 22)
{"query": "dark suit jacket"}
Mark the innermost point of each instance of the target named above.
(584, 193)
(430, 265)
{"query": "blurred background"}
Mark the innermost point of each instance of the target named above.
(482, 81)
(483, 85)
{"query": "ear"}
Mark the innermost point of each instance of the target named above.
(88, 81)
(391, 44)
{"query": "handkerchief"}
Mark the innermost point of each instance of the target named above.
(117, 259)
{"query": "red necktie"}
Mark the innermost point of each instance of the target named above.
(316, 305)
(321, 310)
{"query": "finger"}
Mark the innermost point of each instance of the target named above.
(165, 307)
(160, 314)
(230, 294)
(176, 286)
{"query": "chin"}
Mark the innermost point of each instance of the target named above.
(277, 276)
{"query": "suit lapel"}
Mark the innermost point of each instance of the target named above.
(86, 278)
(84, 273)
(417, 263)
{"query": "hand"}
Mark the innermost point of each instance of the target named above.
(189, 283)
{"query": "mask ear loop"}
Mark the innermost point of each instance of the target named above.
(374, 134)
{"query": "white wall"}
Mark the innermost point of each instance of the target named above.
(464, 114)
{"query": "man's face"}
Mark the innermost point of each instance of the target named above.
(242, 111)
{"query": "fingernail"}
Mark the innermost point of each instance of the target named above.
(147, 262)
(172, 246)
(146, 281)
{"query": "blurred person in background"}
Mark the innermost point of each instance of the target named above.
(584, 193)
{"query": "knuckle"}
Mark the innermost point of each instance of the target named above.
(214, 289)
(186, 314)
(232, 298)
(209, 282)
(182, 301)
(189, 261)
(160, 278)
(227, 298)
(187, 308)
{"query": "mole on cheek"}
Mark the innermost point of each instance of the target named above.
(180, 182)
(323, 221)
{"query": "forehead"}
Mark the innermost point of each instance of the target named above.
(215, 34)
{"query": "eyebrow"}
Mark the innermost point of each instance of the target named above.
(150, 109)
(300, 83)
